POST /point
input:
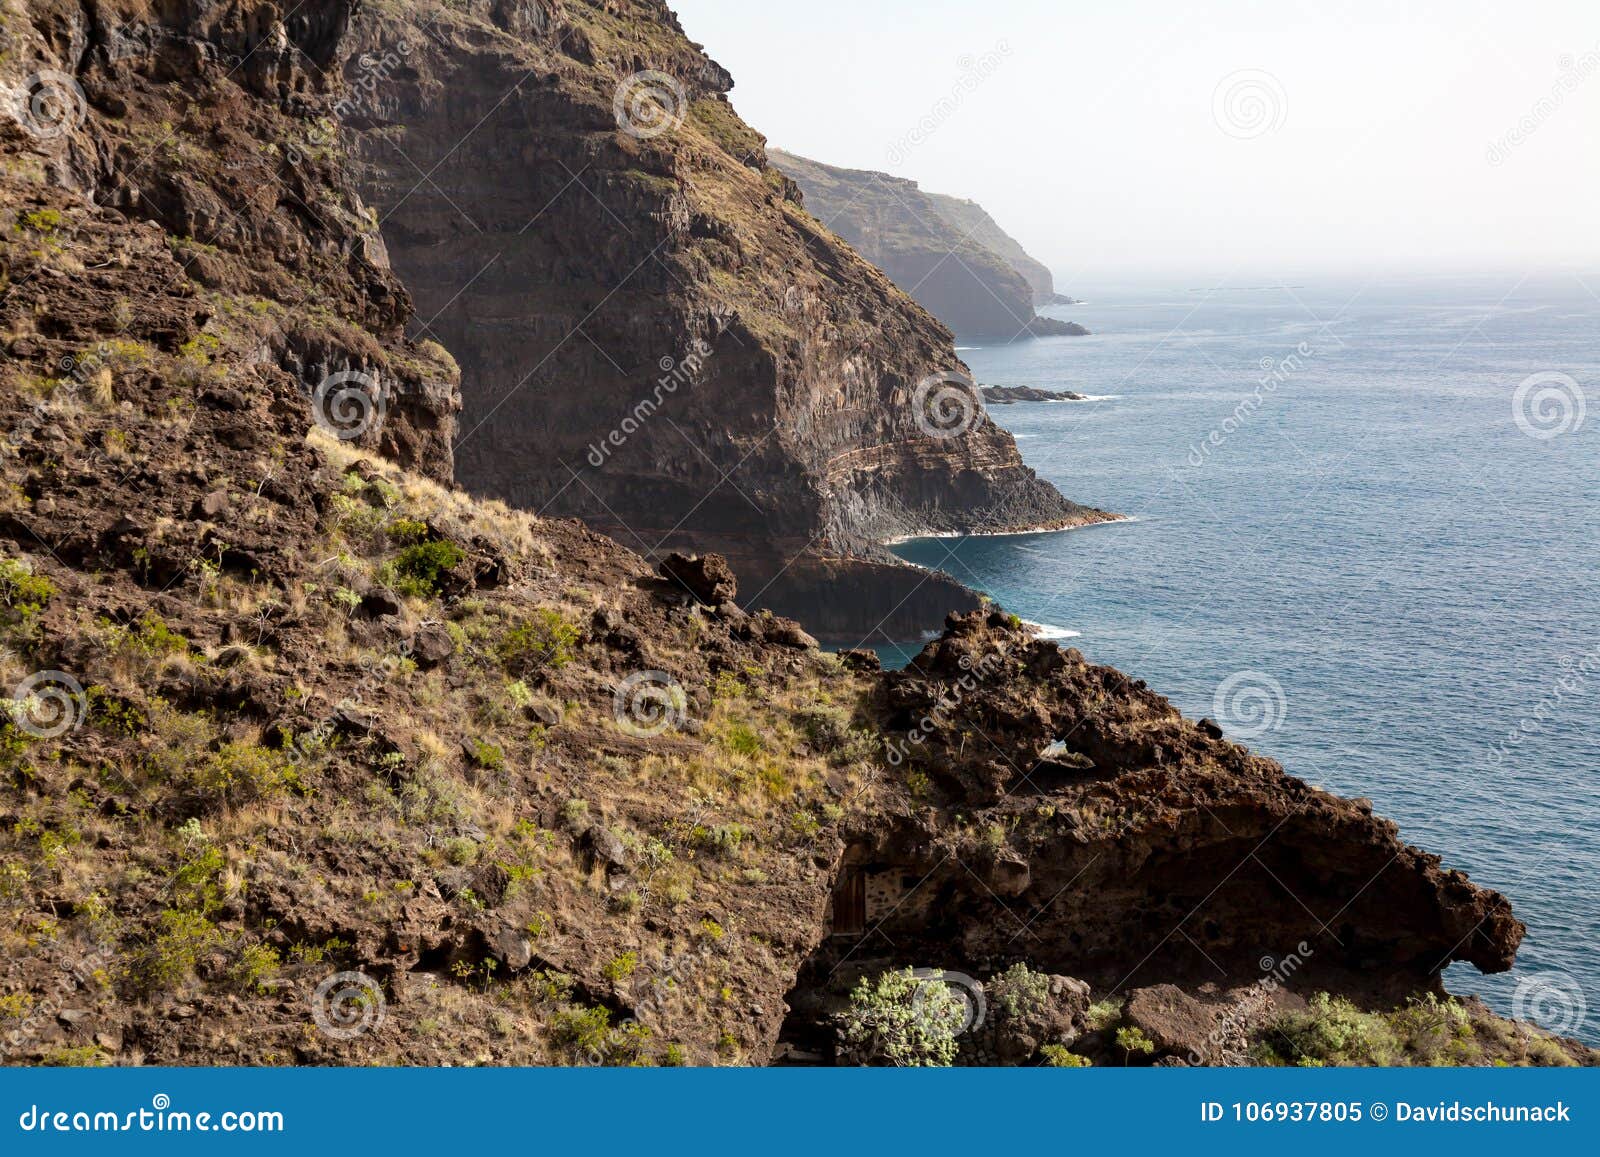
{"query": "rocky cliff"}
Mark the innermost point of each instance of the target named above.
(309, 758)
(655, 336)
(974, 221)
(948, 254)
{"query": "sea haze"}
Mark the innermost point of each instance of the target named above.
(1375, 532)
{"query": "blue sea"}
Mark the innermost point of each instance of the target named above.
(1366, 538)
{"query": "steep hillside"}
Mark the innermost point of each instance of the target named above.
(656, 337)
(935, 248)
(308, 758)
(974, 221)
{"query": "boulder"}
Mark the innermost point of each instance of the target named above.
(787, 633)
(708, 578)
(432, 646)
(1178, 1023)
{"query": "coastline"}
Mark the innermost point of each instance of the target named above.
(1047, 528)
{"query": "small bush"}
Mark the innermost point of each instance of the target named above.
(899, 1019)
(407, 531)
(1019, 991)
(419, 569)
(622, 967)
(1104, 1013)
(24, 592)
(545, 640)
(257, 964)
(1132, 1040)
(1060, 1057)
(170, 959)
(240, 773)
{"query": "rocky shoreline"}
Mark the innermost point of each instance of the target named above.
(1007, 395)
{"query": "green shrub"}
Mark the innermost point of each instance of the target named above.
(899, 1019)
(545, 640)
(583, 1030)
(407, 531)
(1104, 1013)
(622, 967)
(240, 773)
(419, 569)
(170, 959)
(1332, 1030)
(1060, 1057)
(741, 740)
(1132, 1040)
(257, 964)
(24, 592)
(1019, 991)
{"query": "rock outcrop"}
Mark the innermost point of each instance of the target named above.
(940, 250)
(1009, 395)
(185, 147)
(656, 337)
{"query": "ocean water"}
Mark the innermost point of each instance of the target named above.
(1361, 543)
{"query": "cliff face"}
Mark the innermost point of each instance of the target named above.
(306, 758)
(655, 336)
(941, 251)
(972, 220)
(188, 140)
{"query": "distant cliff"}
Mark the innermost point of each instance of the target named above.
(974, 222)
(654, 335)
(948, 254)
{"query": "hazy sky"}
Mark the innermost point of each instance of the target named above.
(1158, 136)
